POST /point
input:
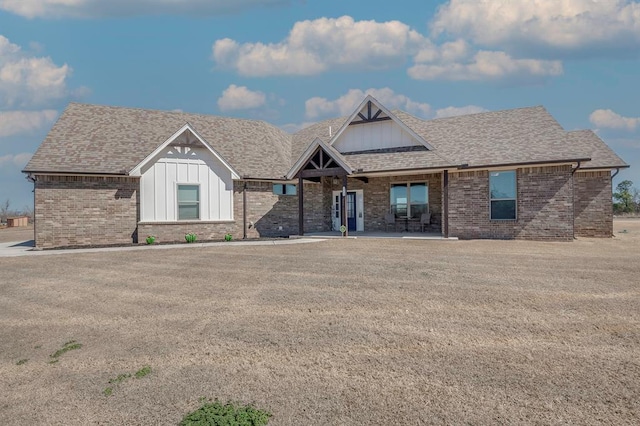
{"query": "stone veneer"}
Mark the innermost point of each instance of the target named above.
(85, 210)
(544, 205)
(593, 204)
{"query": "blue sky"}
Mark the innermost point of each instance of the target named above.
(292, 62)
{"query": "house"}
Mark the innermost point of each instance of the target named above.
(111, 175)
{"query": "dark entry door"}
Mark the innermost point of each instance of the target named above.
(351, 211)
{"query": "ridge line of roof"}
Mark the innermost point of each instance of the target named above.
(394, 111)
(163, 111)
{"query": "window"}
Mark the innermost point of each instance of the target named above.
(409, 199)
(284, 189)
(188, 202)
(502, 188)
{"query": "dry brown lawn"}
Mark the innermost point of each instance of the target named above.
(339, 332)
(8, 235)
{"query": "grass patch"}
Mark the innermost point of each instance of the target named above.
(216, 414)
(121, 378)
(69, 346)
(22, 361)
(144, 371)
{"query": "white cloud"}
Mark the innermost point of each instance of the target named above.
(239, 97)
(543, 25)
(345, 104)
(17, 160)
(455, 111)
(313, 47)
(606, 118)
(19, 122)
(486, 65)
(28, 80)
(101, 8)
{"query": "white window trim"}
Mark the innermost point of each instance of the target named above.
(177, 186)
(515, 199)
(408, 184)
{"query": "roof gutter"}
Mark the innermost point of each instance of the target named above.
(38, 172)
(526, 163)
(361, 172)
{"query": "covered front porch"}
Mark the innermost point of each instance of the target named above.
(333, 199)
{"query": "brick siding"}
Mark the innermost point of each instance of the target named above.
(377, 202)
(544, 206)
(84, 210)
(593, 204)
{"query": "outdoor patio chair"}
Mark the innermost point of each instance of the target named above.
(425, 219)
(390, 220)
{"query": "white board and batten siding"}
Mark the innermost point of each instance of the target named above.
(370, 136)
(185, 165)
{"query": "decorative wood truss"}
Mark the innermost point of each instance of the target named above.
(372, 115)
(321, 164)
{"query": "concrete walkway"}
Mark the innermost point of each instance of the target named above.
(25, 248)
(373, 234)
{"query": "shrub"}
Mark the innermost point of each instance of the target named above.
(217, 414)
(228, 237)
(191, 237)
(151, 239)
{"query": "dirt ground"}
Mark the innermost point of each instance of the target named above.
(379, 332)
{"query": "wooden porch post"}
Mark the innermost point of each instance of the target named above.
(300, 206)
(445, 203)
(343, 204)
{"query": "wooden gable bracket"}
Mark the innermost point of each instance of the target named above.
(370, 118)
(321, 164)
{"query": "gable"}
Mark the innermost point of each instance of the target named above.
(373, 127)
(318, 160)
(374, 136)
(184, 145)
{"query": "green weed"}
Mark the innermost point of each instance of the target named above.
(120, 378)
(69, 346)
(143, 372)
(229, 414)
(123, 377)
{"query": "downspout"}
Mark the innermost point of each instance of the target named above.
(573, 189)
(244, 211)
(32, 178)
(445, 207)
(616, 173)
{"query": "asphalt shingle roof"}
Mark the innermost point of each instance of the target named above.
(601, 155)
(104, 139)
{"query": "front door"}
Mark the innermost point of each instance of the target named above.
(351, 211)
(355, 210)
